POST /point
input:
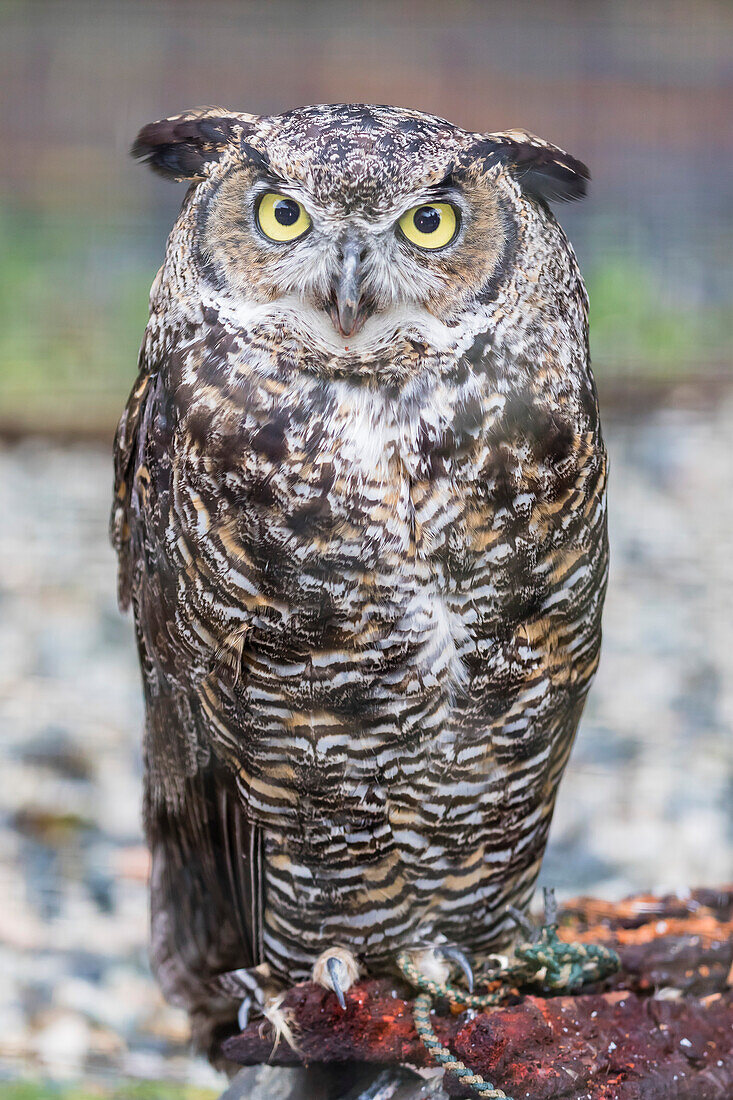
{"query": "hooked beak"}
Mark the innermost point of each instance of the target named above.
(344, 309)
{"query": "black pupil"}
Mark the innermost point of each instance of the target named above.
(287, 211)
(426, 219)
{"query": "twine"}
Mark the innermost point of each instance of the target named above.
(562, 967)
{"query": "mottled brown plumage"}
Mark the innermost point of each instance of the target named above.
(367, 570)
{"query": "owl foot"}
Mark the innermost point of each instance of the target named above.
(256, 993)
(252, 989)
(529, 930)
(336, 969)
(533, 932)
(435, 963)
(460, 958)
(280, 1020)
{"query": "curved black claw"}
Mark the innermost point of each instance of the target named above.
(454, 954)
(243, 1013)
(334, 966)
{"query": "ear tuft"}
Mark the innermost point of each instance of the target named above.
(544, 171)
(180, 147)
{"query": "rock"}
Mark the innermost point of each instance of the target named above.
(331, 1083)
(269, 1083)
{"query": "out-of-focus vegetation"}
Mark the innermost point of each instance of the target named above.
(634, 326)
(137, 1090)
(73, 304)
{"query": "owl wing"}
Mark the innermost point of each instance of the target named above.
(126, 446)
(206, 887)
(207, 891)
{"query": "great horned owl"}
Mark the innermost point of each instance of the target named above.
(360, 514)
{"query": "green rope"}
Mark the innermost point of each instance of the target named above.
(441, 1055)
(549, 961)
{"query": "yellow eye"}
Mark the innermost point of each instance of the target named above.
(281, 218)
(431, 226)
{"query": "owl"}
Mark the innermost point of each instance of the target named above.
(360, 516)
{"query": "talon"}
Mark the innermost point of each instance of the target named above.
(454, 954)
(335, 967)
(243, 1014)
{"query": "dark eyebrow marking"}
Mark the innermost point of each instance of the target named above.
(255, 157)
(448, 183)
(272, 180)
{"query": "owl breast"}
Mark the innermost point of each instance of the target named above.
(361, 576)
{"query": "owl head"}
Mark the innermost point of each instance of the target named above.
(354, 221)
